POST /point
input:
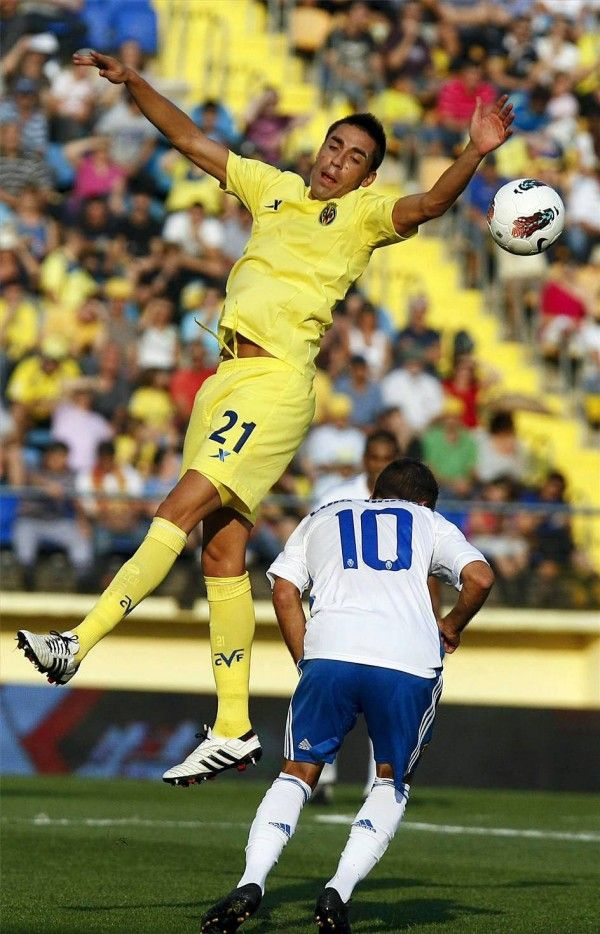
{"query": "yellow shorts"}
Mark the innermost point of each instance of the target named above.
(248, 421)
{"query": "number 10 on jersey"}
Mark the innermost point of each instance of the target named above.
(369, 539)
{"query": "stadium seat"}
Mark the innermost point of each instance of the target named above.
(309, 28)
(135, 19)
(98, 16)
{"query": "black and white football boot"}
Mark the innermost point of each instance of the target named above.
(54, 655)
(214, 755)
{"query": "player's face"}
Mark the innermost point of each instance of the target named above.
(377, 456)
(343, 163)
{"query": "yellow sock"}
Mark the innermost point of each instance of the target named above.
(231, 633)
(135, 580)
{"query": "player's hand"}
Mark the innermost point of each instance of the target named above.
(490, 126)
(108, 67)
(450, 637)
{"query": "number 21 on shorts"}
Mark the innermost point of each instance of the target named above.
(369, 539)
(241, 434)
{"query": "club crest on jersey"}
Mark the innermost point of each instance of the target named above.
(328, 214)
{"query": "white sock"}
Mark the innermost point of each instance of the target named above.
(273, 826)
(373, 828)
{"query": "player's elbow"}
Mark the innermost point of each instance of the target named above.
(479, 575)
(285, 595)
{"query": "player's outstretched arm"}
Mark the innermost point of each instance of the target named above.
(181, 132)
(287, 601)
(490, 127)
(477, 580)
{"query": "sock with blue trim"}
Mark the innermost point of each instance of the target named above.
(373, 828)
(273, 826)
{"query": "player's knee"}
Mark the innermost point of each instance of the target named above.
(384, 770)
(190, 500)
(307, 772)
(217, 562)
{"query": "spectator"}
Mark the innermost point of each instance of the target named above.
(381, 448)
(216, 121)
(406, 52)
(495, 531)
(109, 495)
(367, 340)
(19, 327)
(19, 169)
(466, 386)
(139, 224)
(556, 51)
(97, 175)
(24, 109)
(132, 137)
(449, 450)
(478, 244)
(195, 233)
(237, 223)
(152, 406)
(363, 390)
(37, 383)
(33, 225)
(49, 517)
(121, 327)
(582, 232)
(393, 420)
(333, 450)
(71, 103)
(499, 450)
(158, 345)
(80, 428)
(108, 380)
(417, 337)
(563, 308)
(412, 389)
(187, 380)
(266, 128)
(352, 64)
(456, 103)
(64, 280)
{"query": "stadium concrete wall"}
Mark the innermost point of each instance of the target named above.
(520, 710)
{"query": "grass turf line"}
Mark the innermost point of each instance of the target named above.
(148, 876)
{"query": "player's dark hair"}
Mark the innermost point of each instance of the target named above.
(372, 127)
(381, 436)
(409, 479)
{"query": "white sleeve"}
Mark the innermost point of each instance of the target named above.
(451, 552)
(291, 563)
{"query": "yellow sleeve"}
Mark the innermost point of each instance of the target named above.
(52, 273)
(249, 180)
(376, 220)
(21, 380)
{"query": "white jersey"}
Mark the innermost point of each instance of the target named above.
(366, 564)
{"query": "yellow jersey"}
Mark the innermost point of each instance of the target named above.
(301, 258)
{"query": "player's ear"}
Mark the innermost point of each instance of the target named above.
(368, 180)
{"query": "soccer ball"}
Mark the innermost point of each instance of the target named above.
(526, 216)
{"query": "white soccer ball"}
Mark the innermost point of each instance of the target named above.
(526, 216)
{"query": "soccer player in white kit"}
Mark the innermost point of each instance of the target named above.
(371, 645)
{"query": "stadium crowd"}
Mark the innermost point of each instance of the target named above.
(114, 251)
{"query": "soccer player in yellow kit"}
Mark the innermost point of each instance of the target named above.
(308, 245)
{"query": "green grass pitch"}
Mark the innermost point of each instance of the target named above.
(88, 857)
